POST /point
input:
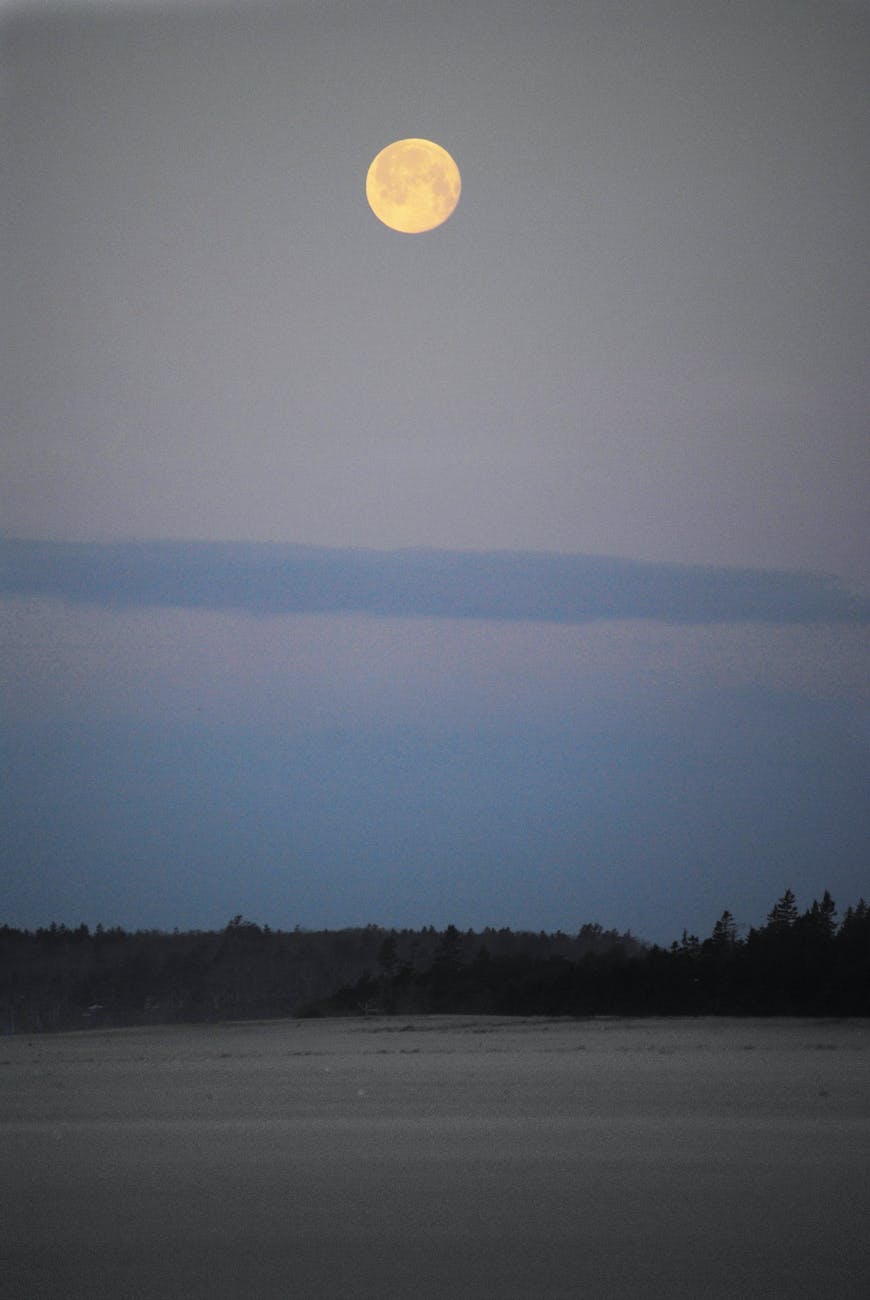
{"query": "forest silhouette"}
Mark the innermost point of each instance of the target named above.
(797, 963)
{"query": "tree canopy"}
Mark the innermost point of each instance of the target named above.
(797, 963)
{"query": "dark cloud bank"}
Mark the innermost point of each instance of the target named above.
(266, 579)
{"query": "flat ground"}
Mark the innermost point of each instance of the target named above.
(450, 1157)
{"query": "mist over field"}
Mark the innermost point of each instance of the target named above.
(468, 1156)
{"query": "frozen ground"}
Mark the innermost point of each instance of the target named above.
(451, 1157)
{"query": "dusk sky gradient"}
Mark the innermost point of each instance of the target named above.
(514, 573)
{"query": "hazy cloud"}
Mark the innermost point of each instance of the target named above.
(266, 579)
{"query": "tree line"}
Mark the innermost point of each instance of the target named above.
(59, 977)
(797, 963)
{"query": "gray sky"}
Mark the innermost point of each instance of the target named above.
(643, 334)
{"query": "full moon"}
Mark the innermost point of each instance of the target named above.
(413, 185)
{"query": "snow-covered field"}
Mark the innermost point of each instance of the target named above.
(450, 1157)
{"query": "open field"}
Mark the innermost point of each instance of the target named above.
(446, 1157)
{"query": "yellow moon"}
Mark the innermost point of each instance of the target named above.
(413, 185)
